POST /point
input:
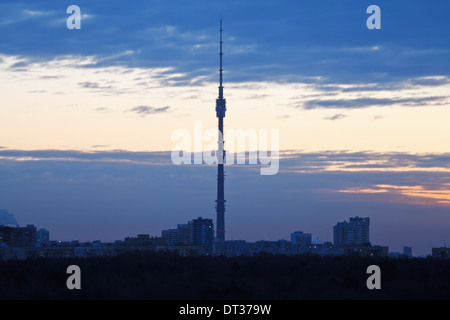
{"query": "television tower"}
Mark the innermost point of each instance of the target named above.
(220, 201)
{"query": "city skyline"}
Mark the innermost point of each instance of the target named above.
(101, 179)
(87, 117)
(197, 236)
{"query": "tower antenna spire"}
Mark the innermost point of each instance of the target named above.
(220, 68)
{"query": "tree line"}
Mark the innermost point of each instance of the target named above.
(168, 276)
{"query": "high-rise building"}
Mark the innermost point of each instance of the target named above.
(202, 234)
(183, 233)
(220, 200)
(198, 232)
(354, 232)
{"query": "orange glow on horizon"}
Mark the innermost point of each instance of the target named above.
(417, 192)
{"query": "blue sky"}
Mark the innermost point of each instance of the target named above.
(279, 40)
(87, 116)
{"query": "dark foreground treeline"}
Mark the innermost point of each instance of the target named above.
(168, 276)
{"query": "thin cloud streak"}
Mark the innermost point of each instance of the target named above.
(371, 102)
(291, 161)
(337, 116)
(416, 194)
(146, 110)
(364, 161)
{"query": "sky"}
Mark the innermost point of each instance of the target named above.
(87, 117)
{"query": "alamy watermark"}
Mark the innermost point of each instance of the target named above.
(74, 280)
(250, 146)
(74, 21)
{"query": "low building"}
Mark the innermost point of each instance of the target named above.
(18, 236)
(442, 252)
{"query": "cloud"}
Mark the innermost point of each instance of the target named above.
(377, 117)
(359, 103)
(35, 13)
(337, 116)
(258, 96)
(363, 161)
(291, 161)
(51, 77)
(93, 85)
(146, 110)
(20, 65)
(71, 156)
(418, 193)
(430, 81)
(185, 37)
(102, 109)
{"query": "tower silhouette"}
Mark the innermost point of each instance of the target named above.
(220, 201)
